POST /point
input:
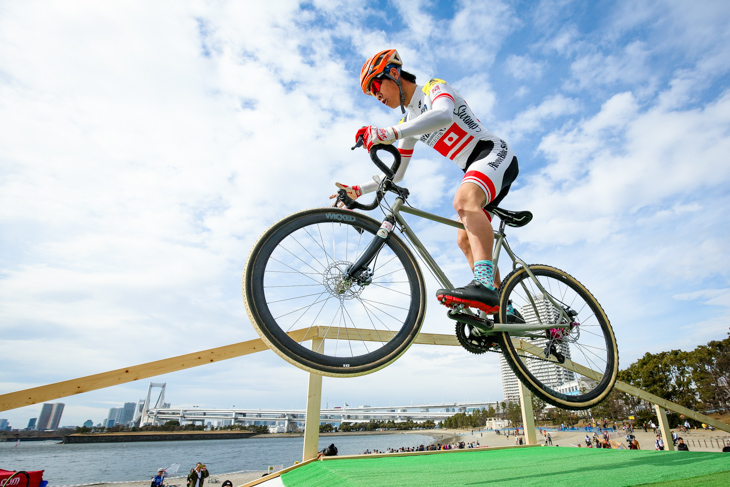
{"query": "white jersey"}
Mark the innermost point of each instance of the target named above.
(457, 139)
(438, 116)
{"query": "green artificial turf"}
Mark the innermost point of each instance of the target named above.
(523, 467)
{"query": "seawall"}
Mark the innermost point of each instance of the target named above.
(156, 436)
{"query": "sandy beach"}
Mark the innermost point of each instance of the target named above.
(698, 440)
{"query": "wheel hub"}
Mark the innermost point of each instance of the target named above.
(338, 284)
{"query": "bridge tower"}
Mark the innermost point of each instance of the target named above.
(143, 416)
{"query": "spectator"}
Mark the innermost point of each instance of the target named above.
(197, 476)
(330, 451)
(659, 443)
(682, 446)
(158, 479)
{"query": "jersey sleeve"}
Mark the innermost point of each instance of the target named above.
(440, 97)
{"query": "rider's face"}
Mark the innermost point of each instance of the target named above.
(388, 93)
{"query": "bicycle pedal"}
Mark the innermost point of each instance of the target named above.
(484, 325)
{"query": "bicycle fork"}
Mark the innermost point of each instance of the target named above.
(360, 271)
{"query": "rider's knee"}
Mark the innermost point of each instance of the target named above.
(468, 198)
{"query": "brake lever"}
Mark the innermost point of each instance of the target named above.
(359, 143)
(342, 196)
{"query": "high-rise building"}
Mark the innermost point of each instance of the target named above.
(550, 374)
(31, 423)
(50, 416)
(122, 416)
(113, 418)
(4, 425)
(127, 415)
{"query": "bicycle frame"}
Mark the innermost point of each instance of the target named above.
(394, 216)
(500, 242)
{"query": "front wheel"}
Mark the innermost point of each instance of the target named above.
(296, 290)
(573, 367)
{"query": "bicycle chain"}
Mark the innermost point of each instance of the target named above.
(477, 344)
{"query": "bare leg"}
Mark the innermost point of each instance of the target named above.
(463, 242)
(468, 203)
(476, 241)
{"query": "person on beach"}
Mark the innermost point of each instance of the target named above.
(197, 476)
(659, 443)
(158, 479)
(330, 451)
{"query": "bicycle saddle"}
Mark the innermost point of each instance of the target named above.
(511, 218)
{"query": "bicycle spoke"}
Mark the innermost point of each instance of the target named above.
(305, 285)
(580, 335)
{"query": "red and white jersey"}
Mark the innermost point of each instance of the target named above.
(438, 116)
(453, 133)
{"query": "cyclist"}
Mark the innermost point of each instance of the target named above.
(438, 115)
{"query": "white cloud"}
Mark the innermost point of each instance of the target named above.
(534, 118)
(598, 69)
(143, 150)
(478, 30)
(522, 67)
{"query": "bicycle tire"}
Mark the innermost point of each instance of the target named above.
(589, 336)
(293, 278)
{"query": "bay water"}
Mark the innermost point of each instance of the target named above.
(117, 462)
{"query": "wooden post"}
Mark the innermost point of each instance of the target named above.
(528, 415)
(314, 405)
(664, 427)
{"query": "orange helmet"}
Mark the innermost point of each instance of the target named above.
(375, 66)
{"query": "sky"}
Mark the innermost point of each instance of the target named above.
(144, 146)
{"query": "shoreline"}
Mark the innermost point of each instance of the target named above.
(486, 439)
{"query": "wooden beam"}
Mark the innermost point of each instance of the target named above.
(314, 408)
(528, 415)
(67, 388)
(368, 335)
(664, 427)
(94, 382)
(635, 391)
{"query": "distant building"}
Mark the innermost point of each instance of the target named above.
(4, 425)
(122, 416)
(88, 423)
(31, 423)
(50, 416)
(127, 415)
(550, 374)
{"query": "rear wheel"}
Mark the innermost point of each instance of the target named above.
(587, 347)
(295, 281)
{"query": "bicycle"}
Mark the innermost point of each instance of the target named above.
(328, 269)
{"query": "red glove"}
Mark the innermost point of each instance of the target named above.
(352, 191)
(372, 135)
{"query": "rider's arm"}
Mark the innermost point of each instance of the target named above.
(439, 116)
(405, 147)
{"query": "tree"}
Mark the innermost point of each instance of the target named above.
(666, 374)
(711, 373)
(514, 413)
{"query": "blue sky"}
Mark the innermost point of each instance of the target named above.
(144, 148)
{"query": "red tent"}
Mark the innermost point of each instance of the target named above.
(35, 478)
